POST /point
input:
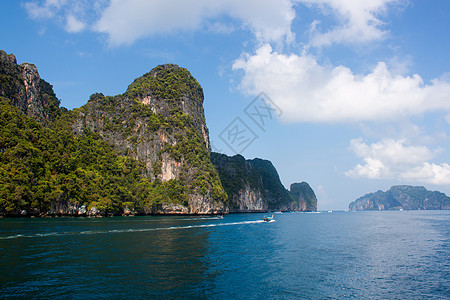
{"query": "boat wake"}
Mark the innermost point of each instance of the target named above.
(130, 230)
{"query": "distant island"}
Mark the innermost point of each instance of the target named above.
(146, 151)
(402, 197)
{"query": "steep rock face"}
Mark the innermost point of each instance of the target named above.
(250, 199)
(160, 120)
(402, 197)
(23, 86)
(304, 195)
(254, 186)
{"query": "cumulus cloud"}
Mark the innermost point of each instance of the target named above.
(357, 21)
(307, 91)
(126, 21)
(438, 174)
(397, 159)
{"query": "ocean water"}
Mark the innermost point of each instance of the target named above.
(339, 255)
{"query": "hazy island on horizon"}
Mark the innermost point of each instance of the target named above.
(401, 197)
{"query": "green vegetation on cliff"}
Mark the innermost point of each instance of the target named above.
(41, 168)
(114, 154)
(168, 82)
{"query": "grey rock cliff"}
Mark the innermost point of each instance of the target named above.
(304, 195)
(26, 90)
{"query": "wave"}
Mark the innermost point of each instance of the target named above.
(129, 230)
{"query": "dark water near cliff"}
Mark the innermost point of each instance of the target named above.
(395, 255)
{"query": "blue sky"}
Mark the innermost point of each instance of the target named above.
(351, 96)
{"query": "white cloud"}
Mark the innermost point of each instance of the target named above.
(397, 159)
(45, 11)
(74, 25)
(73, 16)
(438, 174)
(358, 21)
(309, 92)
(126, 21)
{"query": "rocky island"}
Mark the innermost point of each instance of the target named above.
(254, 185)
(402, 197)
(145, 151)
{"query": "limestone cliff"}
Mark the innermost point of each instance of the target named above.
(160, 121)
(402, 197)
(304, 195)
(254, 186)
(23, 86)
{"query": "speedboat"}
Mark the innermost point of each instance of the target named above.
(268, 219)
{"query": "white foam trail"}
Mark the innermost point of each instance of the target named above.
(91, 232)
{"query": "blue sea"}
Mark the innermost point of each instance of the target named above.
(337, 255)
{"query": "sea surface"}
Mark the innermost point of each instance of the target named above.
(337, 255)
